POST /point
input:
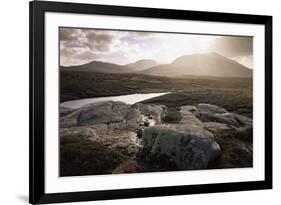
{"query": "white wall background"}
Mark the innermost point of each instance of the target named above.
(14, 100)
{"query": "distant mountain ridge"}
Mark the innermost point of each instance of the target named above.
(96, 66)
(206, 64)
(141, 64)
(104, 67)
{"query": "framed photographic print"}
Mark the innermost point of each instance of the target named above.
(140, 102)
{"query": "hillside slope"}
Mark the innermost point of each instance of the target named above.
(209, 64)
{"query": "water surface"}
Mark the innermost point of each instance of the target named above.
(129, 99)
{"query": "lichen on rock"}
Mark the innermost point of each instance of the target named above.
(188, 148)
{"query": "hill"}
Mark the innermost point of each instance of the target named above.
(104, 67)
(141, 65)
(209, 64)
(97, 66)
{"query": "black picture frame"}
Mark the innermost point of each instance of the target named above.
(37, 101)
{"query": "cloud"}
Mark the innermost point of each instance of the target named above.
(97, 40)
(233, 46)
(92, 39)
(86, 55)
(68, 34)
(83, 45)
(79, 46)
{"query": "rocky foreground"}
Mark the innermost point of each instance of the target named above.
(113, 137)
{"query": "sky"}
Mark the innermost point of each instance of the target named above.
(80, 46)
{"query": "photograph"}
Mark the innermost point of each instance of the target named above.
(133, 102)
(152, 101)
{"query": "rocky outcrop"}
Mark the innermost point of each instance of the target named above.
(189, 119)
(82, 133)
(125, 142)
(190, 108)
(65, 111)
(187, 147)
(152, 111)
(155, 137)
(216, 126)
(211, 109)
(107, 113)
(215, 114)
(237, 149)
(70, 120)
(103, 113)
